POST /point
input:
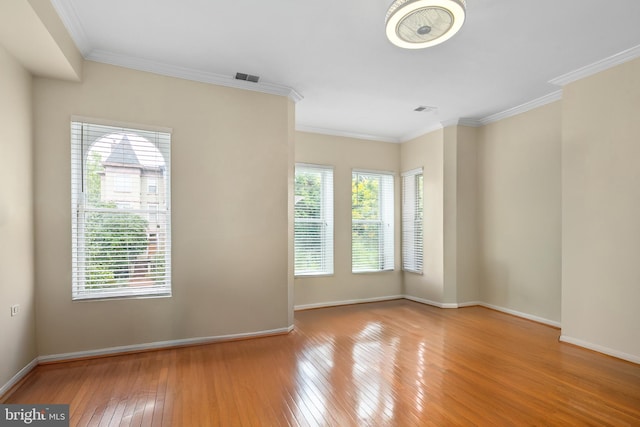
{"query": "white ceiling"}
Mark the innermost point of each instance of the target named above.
(334, 53)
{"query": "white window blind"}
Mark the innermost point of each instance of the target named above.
(371, 222)
(412, 220)
(121, 239)
(313, 227)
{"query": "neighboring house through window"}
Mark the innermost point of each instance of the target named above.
(412, 220)
(121, 238)
(372, 224)
(313, 220)
(153, 214)
(122, 183)
(152, 185)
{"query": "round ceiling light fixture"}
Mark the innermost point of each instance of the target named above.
(416, 24)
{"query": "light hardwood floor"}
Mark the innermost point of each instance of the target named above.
(395, 363)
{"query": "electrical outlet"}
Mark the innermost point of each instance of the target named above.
(15, 309)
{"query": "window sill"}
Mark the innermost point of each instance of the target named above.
(373, 271)
(117, 297)
(313, 275)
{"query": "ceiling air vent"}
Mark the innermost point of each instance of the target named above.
(425, 108)
(247, 77)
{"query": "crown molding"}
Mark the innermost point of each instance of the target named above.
(420, 132)
(523, 108)
(190, 74)
(469, 122)
(71, 21)
(598, 66)
(437, 126)
(462, 121)
(346, 134)
(450, 122)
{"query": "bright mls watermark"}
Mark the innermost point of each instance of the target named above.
(34, 415)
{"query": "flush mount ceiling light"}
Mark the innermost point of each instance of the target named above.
(416, 24)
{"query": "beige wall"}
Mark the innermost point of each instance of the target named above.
(601, 210)
(519, 212)
(450, 216)
(427, 151)
(467, 268)
(33, 33)
(345, 154)
(448, 157)
(16, 219)
(231, 161)
(291, 138)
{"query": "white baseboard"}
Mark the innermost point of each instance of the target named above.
(132, 348)
(601, 349)
(470, 304)
(521, 314)
(345, 302)
(159, 345)
(221, 338)
(429, 302)
(17, 377)
(484, 304)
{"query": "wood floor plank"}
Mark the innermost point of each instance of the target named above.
(395, 363)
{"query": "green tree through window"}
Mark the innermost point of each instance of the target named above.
(313, 223)
(121, 240)
(113, 240)
(371, 221)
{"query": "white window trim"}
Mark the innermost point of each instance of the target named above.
(387, 222)
(412, 244)
(327, 220)
(79, 151)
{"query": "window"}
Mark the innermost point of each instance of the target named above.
(371, 222)
(122, 183)
(114, 253)
(313, 223)
(153, 212)
(152, 185)
(412, 220)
